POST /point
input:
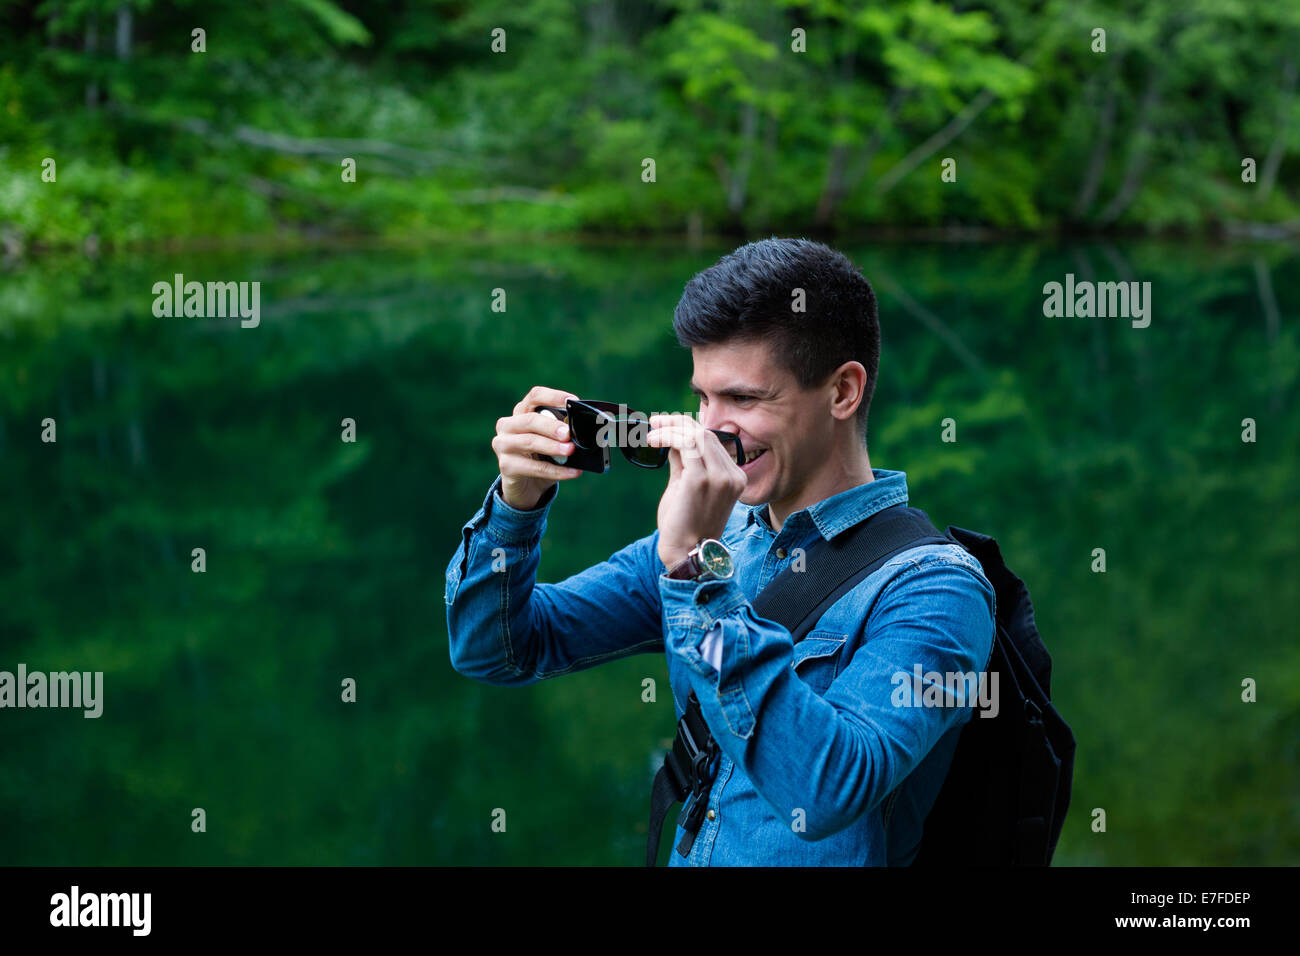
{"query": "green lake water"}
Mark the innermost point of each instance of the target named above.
(325, 559)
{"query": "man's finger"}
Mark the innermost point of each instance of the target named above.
(527, 443)
(537, 423)
(542, 395)
(701, 443)
(684, 440)
(520, 467)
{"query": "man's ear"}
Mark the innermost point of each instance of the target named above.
(849, 385)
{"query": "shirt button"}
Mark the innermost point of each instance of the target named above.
(781, 553)
(703, 597)
(711, 815)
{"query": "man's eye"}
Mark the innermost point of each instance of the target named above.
(742, 399)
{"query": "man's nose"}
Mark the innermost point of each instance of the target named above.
(717, 422)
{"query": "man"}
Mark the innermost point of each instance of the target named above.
(818, 765)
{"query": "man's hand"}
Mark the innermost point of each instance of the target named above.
(704, 483)
(525, 433)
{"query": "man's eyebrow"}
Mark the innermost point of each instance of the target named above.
(732, 391)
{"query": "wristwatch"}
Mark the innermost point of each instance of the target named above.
(707, 561)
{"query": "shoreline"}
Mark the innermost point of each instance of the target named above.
(297, 241)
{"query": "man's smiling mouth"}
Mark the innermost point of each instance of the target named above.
(753, 455)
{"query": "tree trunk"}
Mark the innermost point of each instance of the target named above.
(1272, 322)
(123, 44)
(833, 186)
(91, 45)
(1268, 174)
(1125, 273)
(1100, 151)
(832, 189)
(1100, 357)
(850, 179)
(744, 161)
(1137, 158)
(863, 163)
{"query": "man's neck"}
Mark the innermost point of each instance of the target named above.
(838, 475)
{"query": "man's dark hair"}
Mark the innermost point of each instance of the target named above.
(749, 295)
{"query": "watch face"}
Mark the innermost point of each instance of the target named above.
(716, 558)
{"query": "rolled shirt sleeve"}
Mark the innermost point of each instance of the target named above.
(505, 628)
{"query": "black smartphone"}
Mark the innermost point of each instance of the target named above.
(595, 460)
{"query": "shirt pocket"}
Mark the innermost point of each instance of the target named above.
(817, 658)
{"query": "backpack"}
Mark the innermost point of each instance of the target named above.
(1004, 799)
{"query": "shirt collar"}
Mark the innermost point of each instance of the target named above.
(841, 511)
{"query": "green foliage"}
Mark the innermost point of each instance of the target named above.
(548, 136)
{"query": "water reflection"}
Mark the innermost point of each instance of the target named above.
(323, 558)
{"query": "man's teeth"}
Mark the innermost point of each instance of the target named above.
(750, 456)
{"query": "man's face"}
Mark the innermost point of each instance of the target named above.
(742, 390)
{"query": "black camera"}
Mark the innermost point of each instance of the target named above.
(587, 459)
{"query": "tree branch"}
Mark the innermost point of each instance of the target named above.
(420, 159)
(936, 142)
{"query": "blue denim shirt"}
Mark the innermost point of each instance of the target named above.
(822, 762)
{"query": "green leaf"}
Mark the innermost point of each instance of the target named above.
(343, 28)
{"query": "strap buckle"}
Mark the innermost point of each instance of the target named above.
(698, 753)
(703, 769)
(699, 762)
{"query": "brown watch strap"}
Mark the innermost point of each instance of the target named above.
(685, 569)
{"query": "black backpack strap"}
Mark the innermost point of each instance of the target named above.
(688, 770)
(796, 600)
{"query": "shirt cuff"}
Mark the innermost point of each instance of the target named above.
(507, 524)
(692, 610)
